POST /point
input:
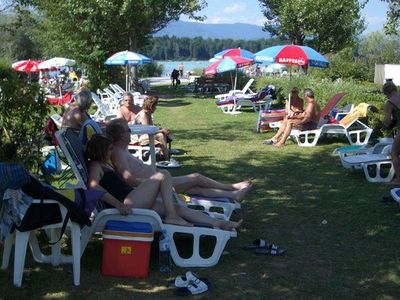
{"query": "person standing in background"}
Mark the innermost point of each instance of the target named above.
(180, 69)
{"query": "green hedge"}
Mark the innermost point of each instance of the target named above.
(324, 89)
(23, 112)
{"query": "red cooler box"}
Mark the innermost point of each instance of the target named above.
(126, 250)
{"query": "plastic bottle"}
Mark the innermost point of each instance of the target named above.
(165, 254)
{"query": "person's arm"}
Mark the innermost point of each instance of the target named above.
(119, 113)
(307, 115)
(95, 175)
(387, 121)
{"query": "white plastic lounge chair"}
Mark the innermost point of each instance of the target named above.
(246, 91)
(103, 110)
(74, 153)
(377, 167)
(345, 151)
(55, 258)
(327, 110)
(259, 101)
(78, 165)
(119, 91)
(350, 126)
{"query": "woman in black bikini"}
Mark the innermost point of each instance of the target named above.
(103, 176)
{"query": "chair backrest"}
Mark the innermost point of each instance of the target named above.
(247, 86)
(358, 112)
(331, 104)
(72, 148)
(103, 109)
(88, 129)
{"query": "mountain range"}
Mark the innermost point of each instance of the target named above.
(236, 31)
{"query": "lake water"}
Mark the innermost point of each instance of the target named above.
(187, 65)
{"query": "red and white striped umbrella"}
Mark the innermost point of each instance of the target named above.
(26, 66)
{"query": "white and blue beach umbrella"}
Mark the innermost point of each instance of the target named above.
(127, 58)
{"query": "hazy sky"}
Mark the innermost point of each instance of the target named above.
(249, 11)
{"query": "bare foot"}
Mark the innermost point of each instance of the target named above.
(230, 225)
(242, 184)
(279, 145)
(177, 220)
(239, 195)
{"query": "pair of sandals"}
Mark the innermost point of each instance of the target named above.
(263, 247)
(191, 284)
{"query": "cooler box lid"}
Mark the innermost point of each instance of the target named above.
(139, 227)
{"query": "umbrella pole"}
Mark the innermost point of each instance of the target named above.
(230, 73)
(235, 80)
(127, 78)
(288, 106)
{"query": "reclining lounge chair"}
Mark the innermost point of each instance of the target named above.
(74, 153)
(350, 126)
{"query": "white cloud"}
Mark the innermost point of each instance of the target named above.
(235, 8)
(373, 20)
(219, 20)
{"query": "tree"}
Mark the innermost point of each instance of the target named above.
(393, 17)
(90, 31)
(23, 112)
(328, 25)
(18, 36)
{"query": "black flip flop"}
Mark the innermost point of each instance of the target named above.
(387, 200)
(257, 244)
(274, 250)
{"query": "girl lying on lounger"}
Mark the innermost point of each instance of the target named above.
(103, 176)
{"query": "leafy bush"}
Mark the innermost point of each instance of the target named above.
(344, 66)
(151, 70)
(23, 113)
(356, 92)
(324, 89)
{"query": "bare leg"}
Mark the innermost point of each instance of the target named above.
(163, 144)
(197, 216)
(395, 157)
(288, 129)
(183, 183)
(280, 131)
(144, 196)
(237, 195)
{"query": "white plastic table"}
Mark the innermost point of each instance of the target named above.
(151, 130)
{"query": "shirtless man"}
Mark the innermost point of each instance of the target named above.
(128, 109)
(77, 113)
(307, 120)
(134, 171)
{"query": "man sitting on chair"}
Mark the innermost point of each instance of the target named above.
(307, 120)
(134, 171)
(128, 109)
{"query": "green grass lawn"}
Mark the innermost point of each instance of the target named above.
(353, 256)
